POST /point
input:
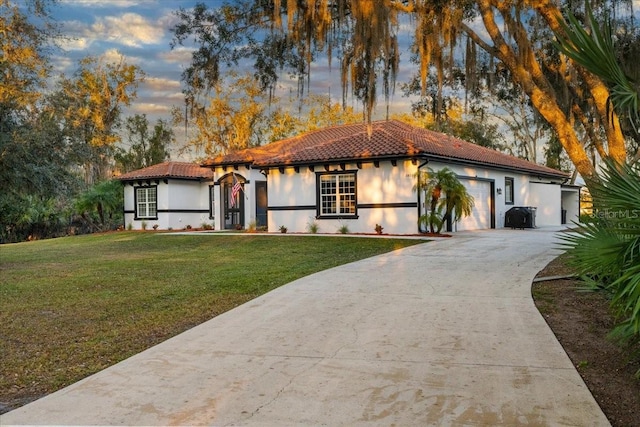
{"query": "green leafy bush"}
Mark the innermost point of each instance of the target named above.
(605, 249)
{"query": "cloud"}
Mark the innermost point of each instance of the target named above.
(109, 3)
(114, 56)
(162, 84)
(150, 108)
(62, 63)
(179, 55)
(129, 29)
(75, 36)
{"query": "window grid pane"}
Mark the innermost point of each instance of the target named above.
(337, 194)
(508, 190)
(146, 202)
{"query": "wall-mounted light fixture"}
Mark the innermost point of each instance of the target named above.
(499, 190)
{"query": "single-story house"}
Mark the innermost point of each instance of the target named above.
(353, 175)
(171, 195)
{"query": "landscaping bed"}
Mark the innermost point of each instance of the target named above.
(581, 321)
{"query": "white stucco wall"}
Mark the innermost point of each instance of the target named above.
(292, 199)
(472, 176)
(546, 197)
(180, 203)
(394, 185)
(547, 200)
(385, 196)
(571, 203)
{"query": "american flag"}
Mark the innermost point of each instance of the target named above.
(234, 192)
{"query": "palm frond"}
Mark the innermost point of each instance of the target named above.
(606, 249)
(595, 52)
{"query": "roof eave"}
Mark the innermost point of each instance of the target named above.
(158, 178)
(369, 159)
(559, 175)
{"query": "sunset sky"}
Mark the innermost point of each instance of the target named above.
(140, 31)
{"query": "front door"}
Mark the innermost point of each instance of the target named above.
(233, 205)
(261, 203)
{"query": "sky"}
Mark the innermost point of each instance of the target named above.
(139, 30)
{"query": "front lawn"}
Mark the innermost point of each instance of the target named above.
(72, 306)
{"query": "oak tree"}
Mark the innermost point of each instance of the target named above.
(517, 37)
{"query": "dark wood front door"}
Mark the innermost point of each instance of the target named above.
(261, 203)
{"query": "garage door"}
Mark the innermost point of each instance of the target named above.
(480, 217)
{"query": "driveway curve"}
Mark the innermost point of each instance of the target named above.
(443, 333)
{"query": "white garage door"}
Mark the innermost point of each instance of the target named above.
(480, 217)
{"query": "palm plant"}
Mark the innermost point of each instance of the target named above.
(100, 206)
(458, 202)
(595, 52)
(606, 249)
(446, 196)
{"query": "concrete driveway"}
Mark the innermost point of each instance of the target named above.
(440, 334)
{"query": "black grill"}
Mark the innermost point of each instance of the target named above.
(520, 217)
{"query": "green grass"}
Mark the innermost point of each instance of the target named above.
(72, 306)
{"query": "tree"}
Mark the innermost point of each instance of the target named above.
(312, 113)
(234, 117)
(447, 197)
(89, 106)
(145, 149)
(596, 52)
(101, 206)
(35, 172)
(516, 36)
(240, 115)
(37, 180)
(605, 248)
(24, 65)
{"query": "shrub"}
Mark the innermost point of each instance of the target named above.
(313, 227)
(605, 249)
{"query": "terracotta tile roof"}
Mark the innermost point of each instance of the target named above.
(389, 139)
(181, 170)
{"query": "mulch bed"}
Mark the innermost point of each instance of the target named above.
(581, 321)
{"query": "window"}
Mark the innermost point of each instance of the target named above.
(212, 202)
(508, 191)
(147, 202)
(337, 195)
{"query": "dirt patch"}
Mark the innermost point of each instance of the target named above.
(581, 321)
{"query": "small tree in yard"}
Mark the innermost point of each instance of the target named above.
(448, 199)
(101, 206)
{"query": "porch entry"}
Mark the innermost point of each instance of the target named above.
(232, 202)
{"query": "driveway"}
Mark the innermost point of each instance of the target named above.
(443, 333)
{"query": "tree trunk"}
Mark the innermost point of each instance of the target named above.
(527, 72)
